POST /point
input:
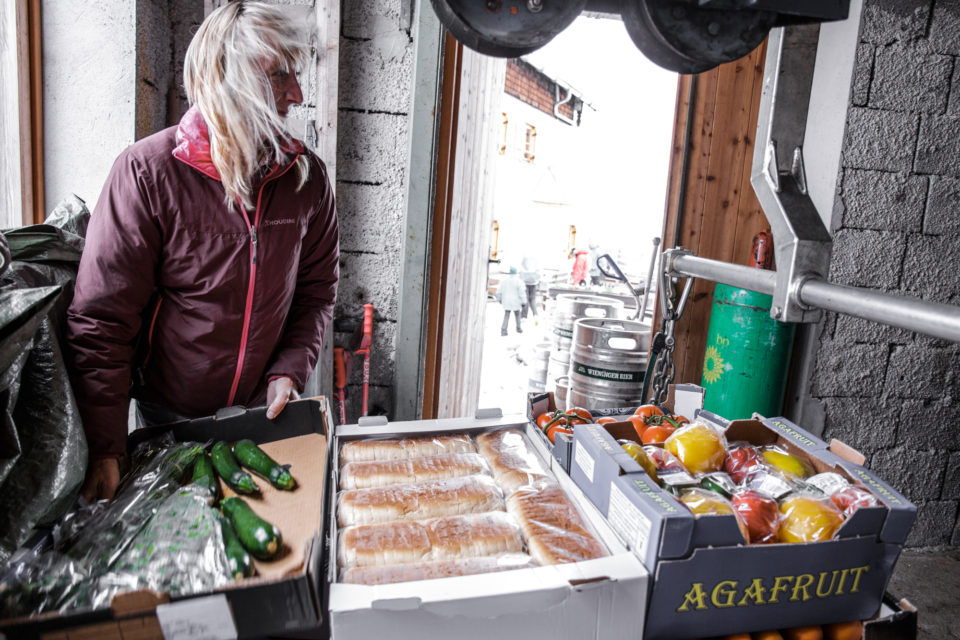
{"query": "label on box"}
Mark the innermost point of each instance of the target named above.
(197, 619)
(583, 460)
(627, 520)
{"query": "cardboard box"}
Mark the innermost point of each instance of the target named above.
(592, 599)
(285, 596)
(691, 397)
(597, 459)
(708, 582)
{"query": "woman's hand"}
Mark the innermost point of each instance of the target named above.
(279, 392)
(103, 476)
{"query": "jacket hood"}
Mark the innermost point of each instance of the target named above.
(193, 144)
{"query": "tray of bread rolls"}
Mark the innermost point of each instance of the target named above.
(440, 505)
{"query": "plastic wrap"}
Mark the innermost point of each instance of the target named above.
(785, 462)
(848, 497)
(742, 459)
(401, 449)
(42, 446)
(437, 498)
(511, 460)
(699, 447)
(93, 541)
(760, 514)
(640, 457)
(552, 528)
(390, 574)
(703, 502)
(663, 459)
(368, 475)
(770, 483)
(808, 518)
(405, 542)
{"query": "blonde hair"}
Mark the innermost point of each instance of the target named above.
(226, 76)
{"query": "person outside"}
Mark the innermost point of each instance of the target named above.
(511, 293)
(580, 268)
(593, 267)
(530, 274)
(213, 248)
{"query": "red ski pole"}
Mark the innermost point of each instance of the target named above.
(340, 381)
(365, 341)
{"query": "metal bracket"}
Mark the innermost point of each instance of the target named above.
(801, 242)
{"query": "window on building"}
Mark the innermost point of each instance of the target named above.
(505, 127)
(530, 144)
(21, 168)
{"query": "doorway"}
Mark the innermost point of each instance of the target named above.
(584, 132)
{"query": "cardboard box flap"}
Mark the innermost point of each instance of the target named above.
(799, 436)
(711, 418)
(240, 422)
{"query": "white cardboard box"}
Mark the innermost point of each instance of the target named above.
(603, 599)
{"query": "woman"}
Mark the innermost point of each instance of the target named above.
(213, 248)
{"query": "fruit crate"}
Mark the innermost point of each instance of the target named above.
(707, 580)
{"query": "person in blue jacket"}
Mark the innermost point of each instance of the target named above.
(512, 294)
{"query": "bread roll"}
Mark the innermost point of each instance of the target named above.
(437, 569)
(553, 530)
(452, 496)
(512, 462)
(401, 449)
(366, 475)
(474, 535)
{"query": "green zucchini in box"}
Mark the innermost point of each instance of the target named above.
(258, 536)
(252, 457)
(227, 467)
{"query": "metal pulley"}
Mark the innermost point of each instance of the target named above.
(506, 28)
(686, 36)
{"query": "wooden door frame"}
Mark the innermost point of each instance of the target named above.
(30, 97)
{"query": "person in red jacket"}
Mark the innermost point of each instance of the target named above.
(213, 248)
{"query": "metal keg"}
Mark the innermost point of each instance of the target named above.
(569, 308)
(537, 379)
(607, 363)
(561, 391)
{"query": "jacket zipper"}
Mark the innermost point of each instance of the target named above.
(248, 307)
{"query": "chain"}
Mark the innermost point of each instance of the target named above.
(664, 342)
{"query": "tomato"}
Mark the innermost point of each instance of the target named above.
(656, 435)
(680, 420)
(605, 420)
(581, 413)
(760, 513)
(554, 429)
(543, 419)
(638, 425)
(648, 410)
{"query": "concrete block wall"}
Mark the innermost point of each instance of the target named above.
(376, 71)
(891, 393)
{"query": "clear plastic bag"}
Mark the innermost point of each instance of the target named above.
(808, 518)
(437, 498)
(552, 528)
(405, 542)
(403, 448)
(699, 447)
(742, 459)
(511, 460)
(703, 502)
(96, 553)
(375, 474)
(759, 513)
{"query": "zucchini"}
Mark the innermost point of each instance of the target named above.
(241, 566)
(258, 536)
(226, 465)
(252, 457)
(204, 476)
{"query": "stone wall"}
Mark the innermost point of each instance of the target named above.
(376, 70)
(892, 393)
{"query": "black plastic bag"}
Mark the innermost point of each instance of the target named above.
(43, 451)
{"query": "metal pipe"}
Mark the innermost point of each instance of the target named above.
(932, 318)
(646, 288)
(735, 275)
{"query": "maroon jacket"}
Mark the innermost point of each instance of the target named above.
(235, 297)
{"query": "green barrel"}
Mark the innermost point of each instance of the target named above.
(747, 355)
